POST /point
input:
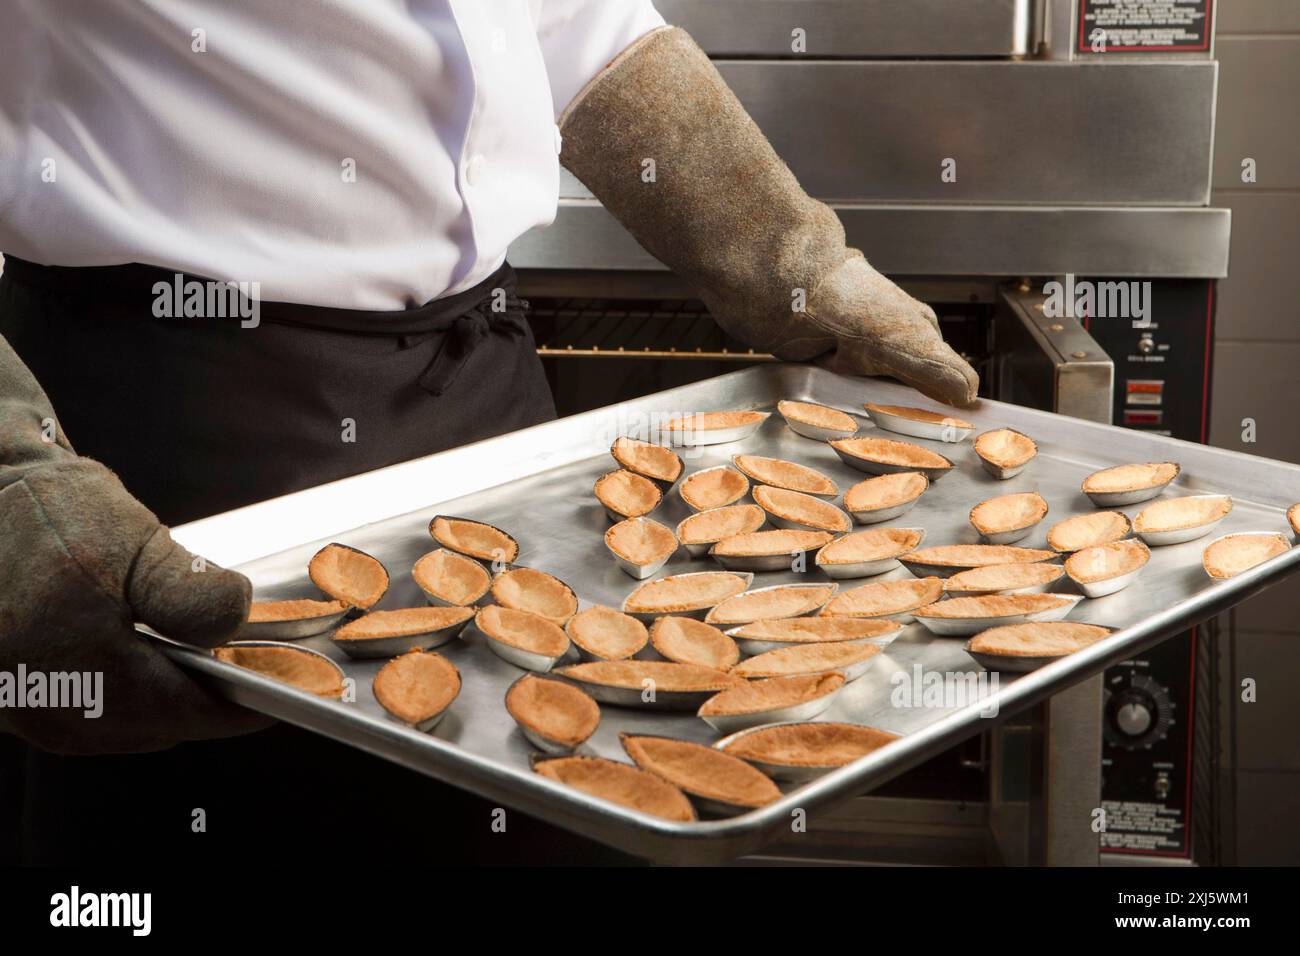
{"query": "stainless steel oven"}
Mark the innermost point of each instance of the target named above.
(985, 154)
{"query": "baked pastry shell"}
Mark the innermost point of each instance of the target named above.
(369, 648)
(804, 710)
(779, 520)
(615, 513)
(297, 648)
(1016, 663)
(664, 700)
(827, 586)
(1158, 537)
(810, 430)
(700, 549)
(786, 773)
(696, 612)
(506, 560)
(1128, 529)
(966, 626)
(864, 569)
(1035, 587)
(752, 646)
(1129, 496)
(437, 600)
(1217, 573)
(874, 466)
(296, 628)
(663, 648)
(707, 806)
(635, 568)
(765, 562)
(691, 435)
(529, 660)
(664, 484)
(756, 479)
(547, 745)
(890, 511)
(925, 569)
(1006, 534)
(904, 616)
(429, 723)
(889, 418)
(1115, 582)
(1002, 470)
(694, 506)
(586, 653)
(851, 671)
(499, 581)
(537, 759)
(331, 588)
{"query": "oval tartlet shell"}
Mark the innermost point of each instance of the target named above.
(451, 578)
(687, 641)
(780, 473)
(1235, 554)
(552, 709)
(417, 686)
(815, 744)
(474, 538)
(1088, 531)
(702, 771)
(348, 575)
(295, 666)
(607, 634)
(619, 783)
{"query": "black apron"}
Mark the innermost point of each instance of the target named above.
(200, 415)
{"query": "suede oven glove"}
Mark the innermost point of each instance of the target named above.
(80, 561)
(725, 213)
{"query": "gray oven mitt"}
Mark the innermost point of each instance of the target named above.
(725, 213)
(80, 561)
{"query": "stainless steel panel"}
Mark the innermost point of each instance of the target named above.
(856, 28)
(946, 240)
(1073, 371)
(1112, 131)
(537, 482)
(1257, 302)
(1256, 381)
(1072, 788)
(1260, 743)
(1268, 828)
(1259, 98)
(1258, 16)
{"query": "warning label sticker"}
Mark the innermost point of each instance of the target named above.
(1146, 26)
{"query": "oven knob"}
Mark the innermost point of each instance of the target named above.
(1133, 718)
(1146, 344)
(1138, 712)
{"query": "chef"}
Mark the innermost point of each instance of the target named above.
(343, 178)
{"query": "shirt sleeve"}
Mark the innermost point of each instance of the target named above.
(579, 38)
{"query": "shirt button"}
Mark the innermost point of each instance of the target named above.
(474, 169)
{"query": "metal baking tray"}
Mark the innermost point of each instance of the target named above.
(536, 483)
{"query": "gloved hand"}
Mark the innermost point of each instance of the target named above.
(80, 561)
(721, 209)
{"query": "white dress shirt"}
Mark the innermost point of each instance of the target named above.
(364, 154)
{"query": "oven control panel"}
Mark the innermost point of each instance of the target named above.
(1161, 352)
(1146, 765)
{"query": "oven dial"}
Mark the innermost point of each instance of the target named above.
(1146, 344)
(1138, 711)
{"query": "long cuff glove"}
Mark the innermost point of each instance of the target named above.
(725, 213)
(80, 561)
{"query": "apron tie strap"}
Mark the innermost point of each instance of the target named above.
(465, 335)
